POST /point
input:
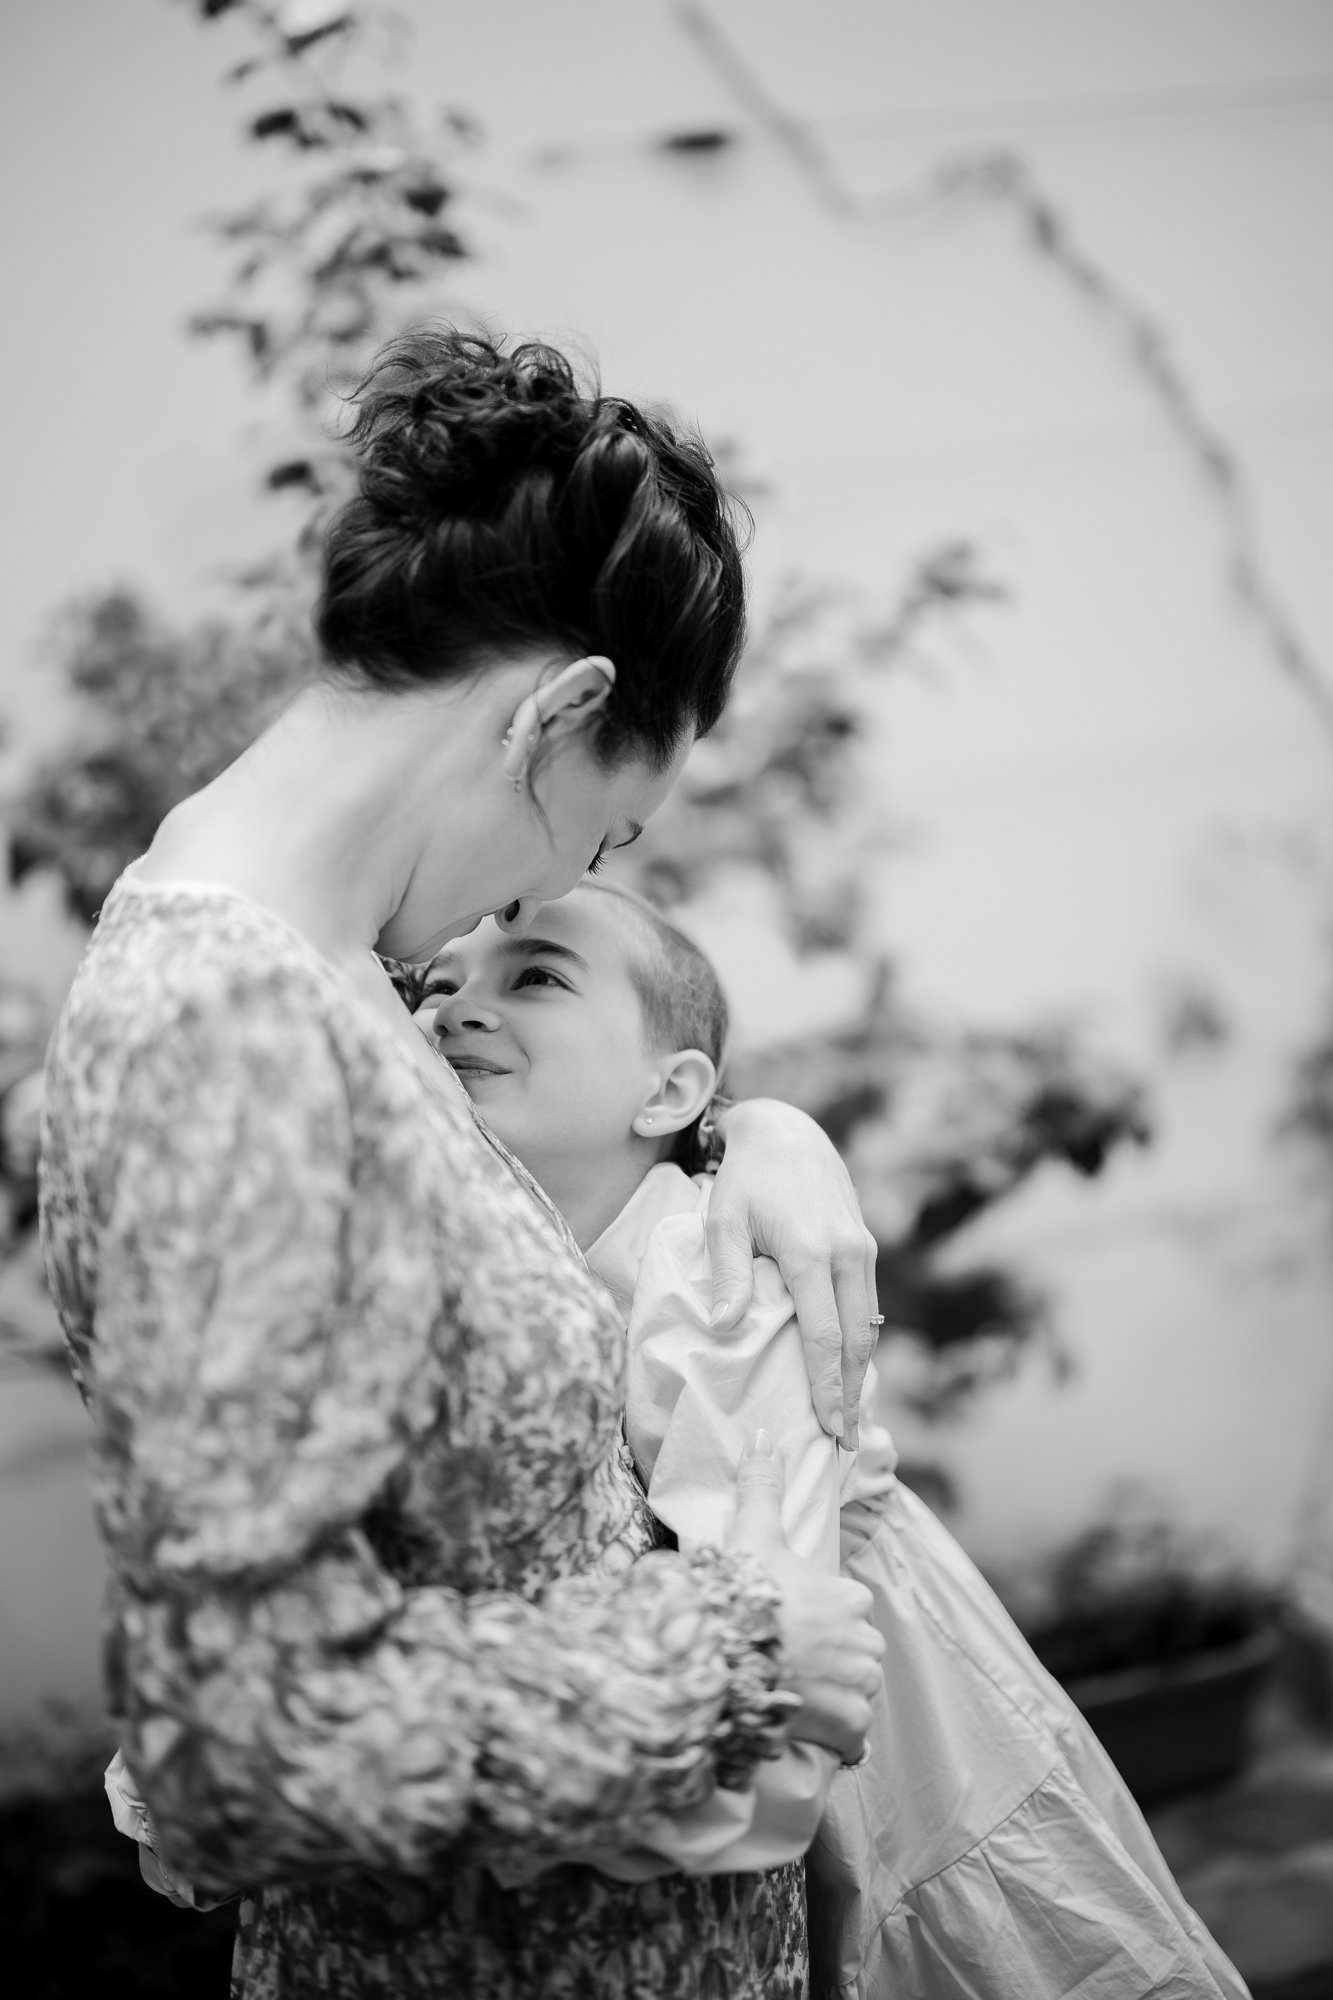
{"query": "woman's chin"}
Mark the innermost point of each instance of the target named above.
(413, 952)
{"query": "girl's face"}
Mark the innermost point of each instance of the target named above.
(523, 848)
(545, 1031)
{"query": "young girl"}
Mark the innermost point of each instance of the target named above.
(986, 1847)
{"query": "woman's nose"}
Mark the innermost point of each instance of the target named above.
(463, 1012)
(516, 917)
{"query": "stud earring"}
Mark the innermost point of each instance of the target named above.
(520, 741)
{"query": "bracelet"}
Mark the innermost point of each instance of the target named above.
(752, 1727)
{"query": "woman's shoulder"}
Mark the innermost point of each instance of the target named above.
(186, 989)
(207, 959)
(183, 935)
(191, 993)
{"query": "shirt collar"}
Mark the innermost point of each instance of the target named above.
(618, 1253)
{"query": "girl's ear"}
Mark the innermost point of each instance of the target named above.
(681, 1090)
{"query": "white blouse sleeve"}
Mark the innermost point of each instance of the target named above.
(695, 1396)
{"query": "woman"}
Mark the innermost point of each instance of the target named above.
(387, 1634)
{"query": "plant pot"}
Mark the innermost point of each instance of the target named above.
(1179, 1726)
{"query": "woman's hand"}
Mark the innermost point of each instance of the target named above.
(831, 1653)
(782, 1192)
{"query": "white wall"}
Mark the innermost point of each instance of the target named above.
(1114, 793)
(1119, 794)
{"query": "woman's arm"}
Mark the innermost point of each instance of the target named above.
(783, 1192)
(287, 1707)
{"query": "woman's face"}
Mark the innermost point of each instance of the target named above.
(517, 860)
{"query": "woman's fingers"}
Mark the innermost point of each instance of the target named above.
(817, 1315)
(834, 1308)
(782, 1192)
(854, 1290)
(731, 1259)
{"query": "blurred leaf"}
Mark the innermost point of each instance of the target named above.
(428, 197)
(295, 472)
(712, 139)
(298, 39)
(271, 124)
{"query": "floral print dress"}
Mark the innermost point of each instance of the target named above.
(391, 1640)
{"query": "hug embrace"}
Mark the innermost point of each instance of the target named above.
(490, 1613)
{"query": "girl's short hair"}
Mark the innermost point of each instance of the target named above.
(502, 505)
(682, 1003)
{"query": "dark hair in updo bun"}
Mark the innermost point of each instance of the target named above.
(503, 506)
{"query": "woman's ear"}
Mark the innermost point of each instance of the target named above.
(682, 1089)
(557, 707)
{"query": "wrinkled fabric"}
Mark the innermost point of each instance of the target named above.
(771, 1822)
(131, 1817)
(987, 1848)
(695, 1396)
(390, 1633)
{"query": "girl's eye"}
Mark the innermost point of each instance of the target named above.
(538, 975)
(598, 862)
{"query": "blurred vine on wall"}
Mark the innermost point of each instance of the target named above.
(938, 1122)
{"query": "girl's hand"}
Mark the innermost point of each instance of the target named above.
(782, 1192)
(831, 1653)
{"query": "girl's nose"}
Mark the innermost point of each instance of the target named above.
(463, 1012)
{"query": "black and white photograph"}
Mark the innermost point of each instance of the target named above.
(666, 1000)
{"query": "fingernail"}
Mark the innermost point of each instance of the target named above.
(761, 1445)
(836, 1424)
(721, 1311)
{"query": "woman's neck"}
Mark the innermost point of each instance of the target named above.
(323, 818)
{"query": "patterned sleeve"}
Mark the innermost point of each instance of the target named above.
(289, 1708)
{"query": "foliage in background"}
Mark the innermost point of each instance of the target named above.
(1133, 1591)
(351, 243)
(938, 1123)
(358, 234)
(25, 1319)
(160, 712)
